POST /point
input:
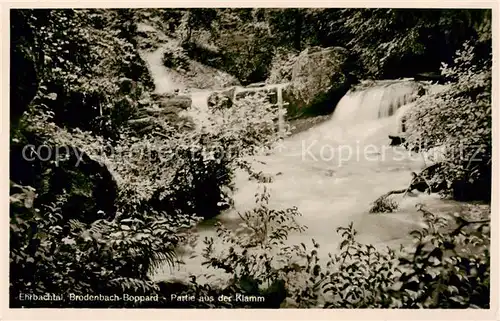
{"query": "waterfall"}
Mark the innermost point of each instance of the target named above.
(161, 75)
(199, 111)
(381, 100)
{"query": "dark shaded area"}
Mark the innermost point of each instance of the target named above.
(198, 190)
(85, 188)
(396, 140)
(23, 74)
(477, 190)
(249, 64)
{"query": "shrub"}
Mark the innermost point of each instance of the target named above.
(384, 204)
(281, 66)
(51, 254)
(245, 55)
(450, 265)
(160, 185)
(84, 53)
(447, 266)
(204, 54)
(255, 255)
(174, 57)
(162, 178)
(458, 120)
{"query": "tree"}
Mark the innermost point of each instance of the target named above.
(459, 120)
(198, 19)
(411, 40)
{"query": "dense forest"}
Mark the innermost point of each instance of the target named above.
(89, 214)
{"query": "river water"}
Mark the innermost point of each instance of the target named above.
(332, 173)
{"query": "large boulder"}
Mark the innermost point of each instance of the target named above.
(320, 77)
(176, 102)
(169, 103)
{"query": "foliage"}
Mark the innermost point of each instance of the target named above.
(232, 39)
(446, 267)
(84, 54)
(408, 41)
(245, 54)
(161, 183)
(281, 66)
(175, 58)
(255, 254)
(50, 254)
(91, 82)
(458, 120)
(384, 204)
(196, 19)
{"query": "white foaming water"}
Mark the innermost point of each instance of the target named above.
(332, 173)
(199, 109)
(379, 101)
(161, 75)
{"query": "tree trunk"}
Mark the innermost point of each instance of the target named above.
(189, 27)
(297, 39)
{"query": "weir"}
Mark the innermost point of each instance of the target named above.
(381, 100)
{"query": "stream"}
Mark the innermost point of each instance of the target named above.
(332, 173)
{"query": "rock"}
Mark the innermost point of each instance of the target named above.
(139, 122)
(159, 97)
(396, 140)
(222, 99)
(180, 101)
(229, 92)
(319, 79)
(219, 100)
(430, 76)
(151, 111)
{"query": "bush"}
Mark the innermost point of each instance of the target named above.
(204, 54)
(255, 255)
(83, 56)
(175, 58)
(281, 66)
(162, 181)
(458, 120)
(161, 186)
(246, 56)
(51, 254)
(450, 265)
(384, 204)
(408, 41)
(447, 266)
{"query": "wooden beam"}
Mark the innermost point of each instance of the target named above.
(281, 121)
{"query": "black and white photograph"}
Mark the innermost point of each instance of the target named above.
(250, 158)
